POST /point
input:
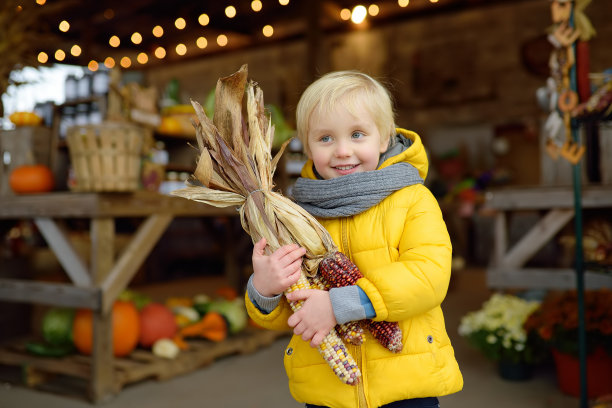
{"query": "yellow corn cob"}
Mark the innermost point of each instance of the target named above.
(332, 349)
(351, 332)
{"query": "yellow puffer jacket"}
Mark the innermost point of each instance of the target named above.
(402, 248)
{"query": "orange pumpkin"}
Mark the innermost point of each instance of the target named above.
(126, 329)
(35, 178)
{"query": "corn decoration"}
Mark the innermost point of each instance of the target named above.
(235, 168)
(351, 332)
(338, 271)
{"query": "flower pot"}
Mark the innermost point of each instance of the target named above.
(513, 371)
(599, 373)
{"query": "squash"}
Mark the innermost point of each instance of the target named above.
(212, 327)
(25, 119)
(28, 179)
(126, 329)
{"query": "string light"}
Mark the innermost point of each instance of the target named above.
(125, 62)
(158, 31)
(180, 23)
(268, 30)
(283, 2)
(359, 14)
(373, 10)
(136, 38)
(181, 49)
(93, 65)
(222, 40)
(41, 2)
(142, 58)
(75, 50)
(256, 5)
(160, 52)
(64, 26)
(43, 57)
(60, 55)
(345, 14)
(109, 62)
(114, 41)
(230, 11)
(203, 19)
(202, 42)
(403, 3)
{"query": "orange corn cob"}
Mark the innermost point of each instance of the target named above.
(338, 270)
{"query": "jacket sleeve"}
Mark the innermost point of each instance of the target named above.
(275, 320)
(417, 280)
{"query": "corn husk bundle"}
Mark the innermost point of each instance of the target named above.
(235, 168)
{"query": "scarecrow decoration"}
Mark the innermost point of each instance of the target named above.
(568, 83)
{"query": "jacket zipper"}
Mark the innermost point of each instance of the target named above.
(356, 351)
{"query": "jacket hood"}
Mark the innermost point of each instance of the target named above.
(407, 148)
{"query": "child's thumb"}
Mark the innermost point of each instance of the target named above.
(260, 246)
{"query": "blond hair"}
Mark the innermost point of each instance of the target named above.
(352, 89)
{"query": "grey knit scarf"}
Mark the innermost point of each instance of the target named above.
(354, 193)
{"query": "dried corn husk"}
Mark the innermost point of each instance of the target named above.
(235, 168)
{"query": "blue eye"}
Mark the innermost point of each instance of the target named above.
(357, 135)
(325, 139)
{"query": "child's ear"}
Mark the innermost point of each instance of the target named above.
(384, 145)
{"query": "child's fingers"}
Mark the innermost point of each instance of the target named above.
(317, 339)
(289, 253)
(301, 294)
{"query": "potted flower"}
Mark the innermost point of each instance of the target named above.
(497, 330)
(556, 323)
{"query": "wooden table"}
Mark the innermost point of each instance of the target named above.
(97, 286)
(506, 269)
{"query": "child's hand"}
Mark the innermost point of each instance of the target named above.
(315, 319)
(274, 273)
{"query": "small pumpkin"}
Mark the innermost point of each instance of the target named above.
(29, 179)
(126, 329)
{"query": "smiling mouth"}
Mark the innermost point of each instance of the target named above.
(346, 167)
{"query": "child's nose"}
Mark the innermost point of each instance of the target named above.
(343, 149)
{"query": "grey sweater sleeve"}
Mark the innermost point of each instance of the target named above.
(263, 303)
(347, 304)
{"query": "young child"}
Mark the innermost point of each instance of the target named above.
(364, 183)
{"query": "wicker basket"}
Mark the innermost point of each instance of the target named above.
(106, 157)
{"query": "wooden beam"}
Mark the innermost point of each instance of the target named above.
(133, 256)
(536, 238)
(65, 252)
(47, 293)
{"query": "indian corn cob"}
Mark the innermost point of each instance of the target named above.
(235, 168)
(338, 270)
(352, 332)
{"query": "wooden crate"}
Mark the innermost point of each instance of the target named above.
(40, 372)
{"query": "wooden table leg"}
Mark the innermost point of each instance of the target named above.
(102, 258)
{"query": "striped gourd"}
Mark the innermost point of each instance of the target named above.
(338, 270)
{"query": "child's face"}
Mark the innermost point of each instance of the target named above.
(340, 143)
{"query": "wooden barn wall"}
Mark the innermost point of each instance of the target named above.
(463, 69)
